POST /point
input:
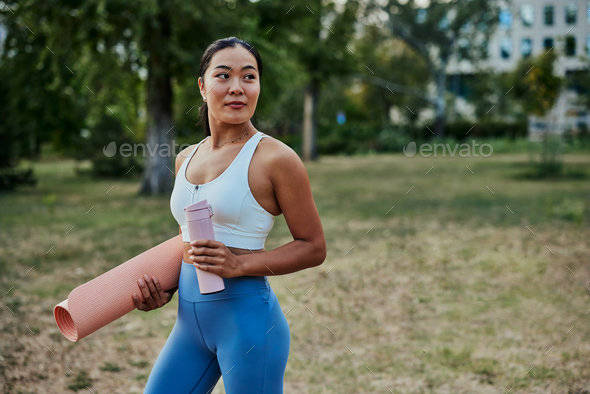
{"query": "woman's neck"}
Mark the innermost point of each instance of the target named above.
(225, 132)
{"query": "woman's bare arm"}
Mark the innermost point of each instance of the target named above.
(293, 193)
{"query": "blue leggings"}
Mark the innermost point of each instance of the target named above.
(240, 333)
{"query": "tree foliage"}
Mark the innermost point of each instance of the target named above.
(536, 86)
(442, 32)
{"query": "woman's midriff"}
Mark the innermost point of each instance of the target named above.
(236, 251)
(188, 285)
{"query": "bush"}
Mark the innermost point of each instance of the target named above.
(359, 138)
(347, 139)
(570, 209)
(462, 130)
(10, 178)
(394, 139)
(107, 131)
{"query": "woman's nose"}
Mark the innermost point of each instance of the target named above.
(235, 86)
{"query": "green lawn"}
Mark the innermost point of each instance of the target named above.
(443, 275)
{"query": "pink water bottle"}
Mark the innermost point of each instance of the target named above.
(200, 226)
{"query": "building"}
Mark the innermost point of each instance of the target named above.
(530, 28)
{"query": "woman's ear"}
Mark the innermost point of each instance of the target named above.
(201, 86)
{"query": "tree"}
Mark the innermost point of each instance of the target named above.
(439, 33)
(385, 59)
(101, 41)
(536, 87)
(535, 84)
(315, 34)
(10, 150)
(135, 61)
(167, 38)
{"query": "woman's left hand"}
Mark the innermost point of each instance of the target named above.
(224, 262)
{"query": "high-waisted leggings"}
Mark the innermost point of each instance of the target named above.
(240, 333)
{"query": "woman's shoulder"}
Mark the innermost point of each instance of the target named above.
(187, 151)
(275, 149)
(277, 155)
(183, 154)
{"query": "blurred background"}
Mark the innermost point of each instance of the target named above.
(448, 150)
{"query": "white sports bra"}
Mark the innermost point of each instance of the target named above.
(238, 220)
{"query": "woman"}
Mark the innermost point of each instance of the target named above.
(240, 333)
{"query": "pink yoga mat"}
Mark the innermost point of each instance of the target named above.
(107, 297)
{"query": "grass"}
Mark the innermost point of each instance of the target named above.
(111, 367)
(81, 381)
(443, 275)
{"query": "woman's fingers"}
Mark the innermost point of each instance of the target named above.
(203, 250)
(168, 296)
(165, 297)
(153, 291)
(147, 295)
(137, 302)
(142, 306)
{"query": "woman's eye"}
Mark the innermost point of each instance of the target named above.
(249, 75)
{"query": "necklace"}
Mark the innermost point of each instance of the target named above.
(219, 146)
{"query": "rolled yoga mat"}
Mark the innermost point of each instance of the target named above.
(107, 297)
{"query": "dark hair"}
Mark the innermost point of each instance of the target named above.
(206, 61)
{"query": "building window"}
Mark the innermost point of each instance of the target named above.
(549, 14)
(527, 14)
(506, 18)
(505, 47)
(574, 81)
(526, 47)
(462, 85)
(570, 46)
(571, 13)
(548, 43)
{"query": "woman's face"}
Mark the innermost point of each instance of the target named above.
(232, 76)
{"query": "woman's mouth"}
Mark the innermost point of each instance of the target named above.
(236, 105)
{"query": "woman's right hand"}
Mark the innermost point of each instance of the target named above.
(155, 297)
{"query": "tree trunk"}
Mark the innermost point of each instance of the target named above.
(310, 122)
(37, 146)
(439, 125)
(157, 177)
